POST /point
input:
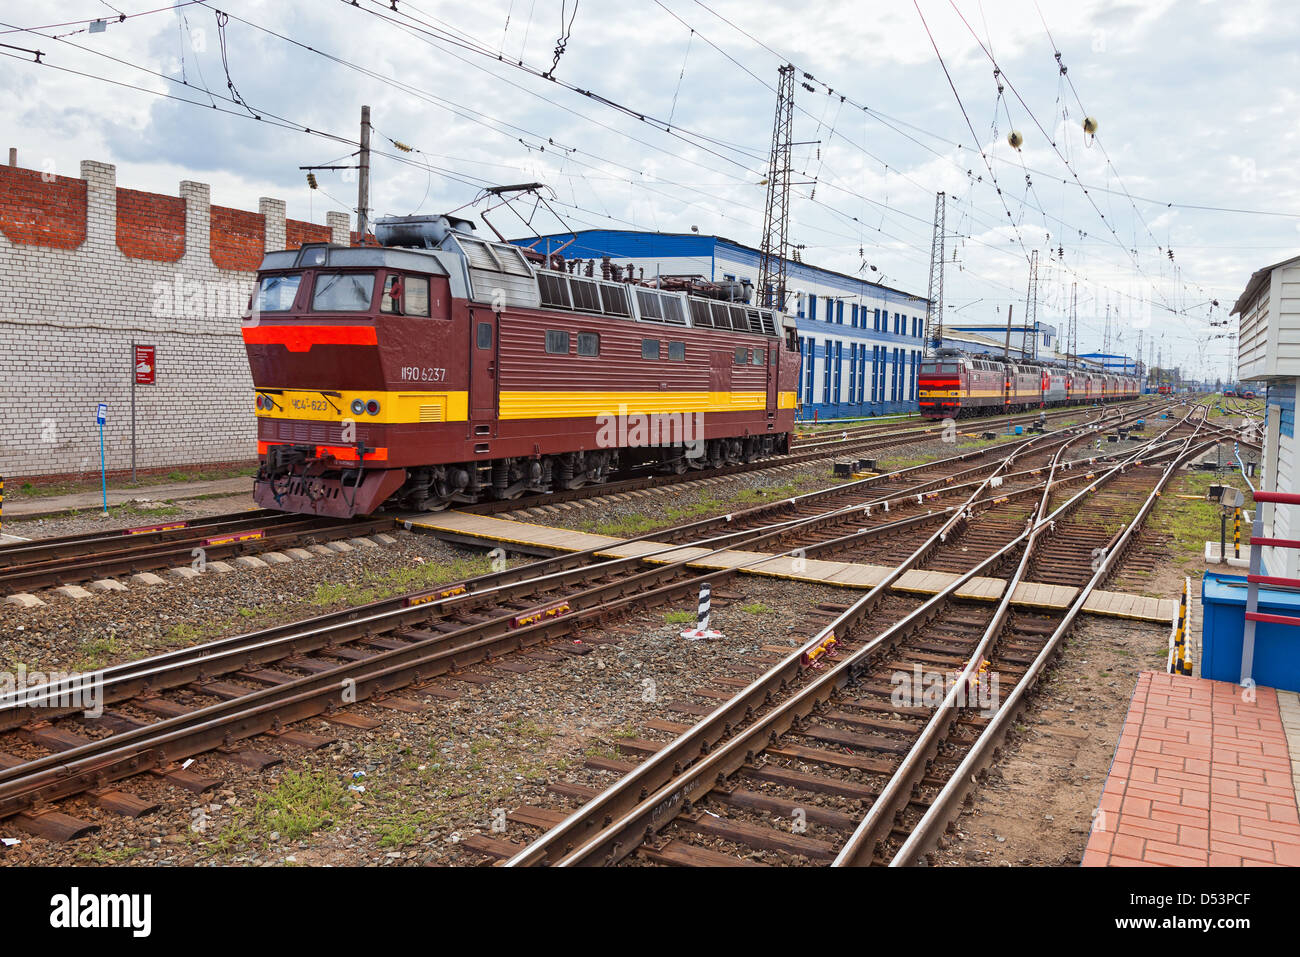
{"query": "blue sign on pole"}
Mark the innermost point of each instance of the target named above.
(101, 416)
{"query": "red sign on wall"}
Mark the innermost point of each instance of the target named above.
(146, 368)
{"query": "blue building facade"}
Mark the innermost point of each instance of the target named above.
(860, 343)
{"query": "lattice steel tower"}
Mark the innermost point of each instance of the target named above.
(934, 308)
(776, 213)
(1031, 309)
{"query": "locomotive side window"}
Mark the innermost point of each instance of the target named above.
(588, 344)
(484, 335)
(343, 291)
(672, 309)
(614, 297)
(554, 290)
(276, 293)
(649, 348)
(677, 351)
(405, 296)
(557, 342)
(742, 357)
(585, 295)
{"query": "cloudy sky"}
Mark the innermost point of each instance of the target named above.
(1197, 152)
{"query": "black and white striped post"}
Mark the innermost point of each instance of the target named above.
(702, 615)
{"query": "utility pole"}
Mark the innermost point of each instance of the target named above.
(934, 308)
(1074, 325)
(363, 180)
(1031, 308)
(776, 211)
(1006, 346)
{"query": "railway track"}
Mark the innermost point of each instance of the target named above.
(829, 767)
(46, 563)
(164, 709)
(868, 439)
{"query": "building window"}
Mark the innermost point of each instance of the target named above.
(588, 344)
(677, 351)
(826, 376)
(812, 306)
(839, 312)
(862, 372)
(649, 348)
(557, 342)
(853, 370)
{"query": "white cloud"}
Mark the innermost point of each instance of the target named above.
(1192, 99)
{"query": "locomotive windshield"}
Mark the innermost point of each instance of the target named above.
(277, 293)
(343, 291)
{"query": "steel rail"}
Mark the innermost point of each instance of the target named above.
(981, 752)
(608, 814)
(486, 586)
(577, 829)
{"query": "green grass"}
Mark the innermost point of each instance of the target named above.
(1189, 524)
(97, 652)
(377, 586)
(31, 489)
(302, 802)
(679, 617)
(757, 608)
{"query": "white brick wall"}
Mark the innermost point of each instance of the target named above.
(67, 320)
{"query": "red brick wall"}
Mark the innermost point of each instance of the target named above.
(150, 226)
(40, 213)
(296, 232)
(237, 238)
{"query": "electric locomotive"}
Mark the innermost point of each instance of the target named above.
(438, 367)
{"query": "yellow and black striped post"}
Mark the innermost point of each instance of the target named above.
(1236, 530)
(1182, 664)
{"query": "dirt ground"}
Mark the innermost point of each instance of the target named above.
(1036, 806)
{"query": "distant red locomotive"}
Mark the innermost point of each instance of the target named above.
(954, 384)
(440, 368)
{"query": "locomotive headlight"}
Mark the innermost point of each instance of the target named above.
(358, 406)
(372, 407)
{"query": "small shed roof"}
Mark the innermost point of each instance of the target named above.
(1256, 283)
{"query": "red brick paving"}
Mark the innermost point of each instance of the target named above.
(1200, 777)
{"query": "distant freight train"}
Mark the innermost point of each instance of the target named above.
(954, 384)
(440, 368)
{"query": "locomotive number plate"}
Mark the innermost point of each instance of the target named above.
(423, 374)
